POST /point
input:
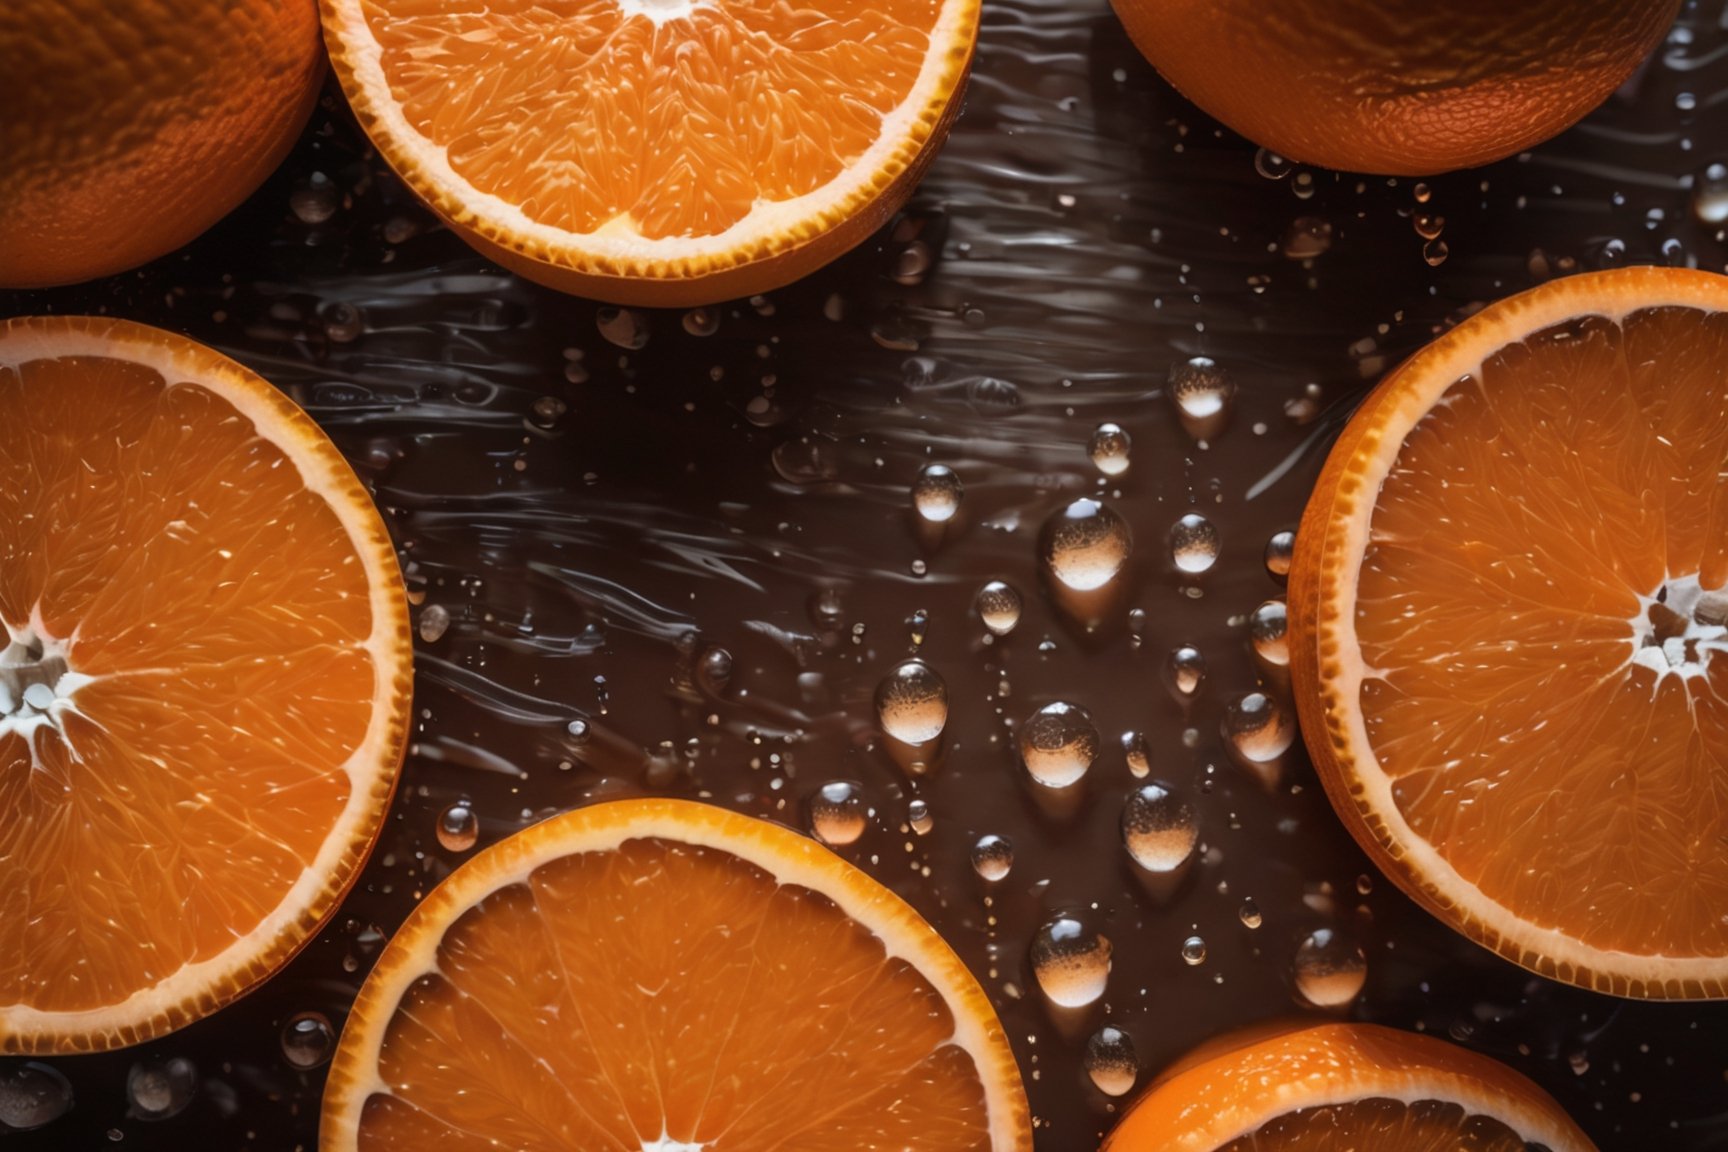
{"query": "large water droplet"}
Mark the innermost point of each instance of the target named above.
(624, 327)
(1187, 670)
(912, 703)
(838, 815)
(1258, 728)
(1201, 389)
(1058, 744)
(1109, 448)
(1330, 970)
(1071, 962)
(458, 827)
(307, 1040)
(1268, 632)
(993, 857)
(1085, 545)
(158, 1089)
(1159, 827)
(999, 607)
(1194, 543)
(936, 493)
(32, 1095)
(1110, 1061)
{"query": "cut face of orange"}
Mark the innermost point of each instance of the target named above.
(663, 976)
(204, 685)
(656, 151)
(1508, 621)
(1343, 1088)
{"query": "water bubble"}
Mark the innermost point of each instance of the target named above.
(1249, 914)
(1307, 238)
(701, 321)
(32, 1095)
(1058, 744)
(1070, 962)
(918, 816)
(625, 327)
(1435, 253)
(998, 607)
(1194, 543)
(1159, 827)
(714, 670)
(1330, 970)
(1200, 388)
(434, 622)
(158, 1089)
(1134, 751)
(307, 1040)
(1187, 670)
(993, 857)
(1710, 195)
(1085, 545)
(1194, 951)
(1280, 552)
(837, 813)
(1268, 632)
(912, 703)
(1109, 449)
(1258, 728)
(936, 493)
(458, 827)
(1110, 1061)
(1271, 165)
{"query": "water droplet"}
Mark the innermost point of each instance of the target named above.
(1258, 727)
(1194, 951)
(1058, 744)
(1330, 970)
(458, 827)
(32, 1095)
(307, 1040)
(1085, 545)
(1159, 827)
(702, 321)
(1280, 552)
(1200, 388)
(1249, 914)
(1110, 1061)
(1710, 195)
(714, 671)
(434, 622)
(625, 327)
(936, 493)
(1187, 669)
(578, 730)
(912, 703)
(343, 323)
(993, 857)
(1109, 449)
(1271, 165)
(1422, 192)
(1428, 226)
(912, 263)
(1685, 101)
(546, 411)
(1135, 752)
(805, 460)
(1307, 238)
(1435, 252)
(1070, 962)
(315, 203)
(158, 1089)
(998, 607)
(1194, 543)
(918, 816)
(1268, 632)
(837, 813)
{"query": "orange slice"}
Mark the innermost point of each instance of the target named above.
(660, 152)
(1507, 622)
(204, 686)
(664, 976)
(1342, 1088)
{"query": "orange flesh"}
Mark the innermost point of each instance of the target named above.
(1382, 1125)
(220, 609)
(663, 995)
(579, 113)
(1526, 515)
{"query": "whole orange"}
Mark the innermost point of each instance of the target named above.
(1397, 87)
(133, 125)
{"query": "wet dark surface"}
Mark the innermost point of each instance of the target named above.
(593, 519)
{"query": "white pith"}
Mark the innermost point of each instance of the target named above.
(34, 708)
(1687, 656)
(661, 11)
(321, 472)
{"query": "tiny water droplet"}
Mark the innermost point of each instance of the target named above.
(158, 1089)
(1135, 752)
(1200, 388)
(316, 203)
(1280, 552)
(1194, 951)
(578, 730)
(32, 1095)
(343, 322)
(458, 827)
(998, 607)
(1159, 828)
(1187, 670)
(714, 670)
(1058, 744)
(1070, 962)
(912, 703)
(701, 321)
(1109, 448)
(936, 493)
(1306, 238)
(1268, 632)
(1271, 165)
(1330, 970)
(1710, 195)
(805, 460)
(918, 816)
(1428, 226)
(993, 857)
(434, 622)
(1194, 543)
(1249, 914)
(1435, 252)
(1085, 544)
(546, 411)
(838, 814)
(308, 1040)
(625, 327)
(1111, 1062)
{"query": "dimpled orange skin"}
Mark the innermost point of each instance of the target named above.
(1397, 87)
(131, 126)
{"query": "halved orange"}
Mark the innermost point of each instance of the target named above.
(204, 689)
(1507, 621)
(661, 152)
(666, 976)
(1342, 1088)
